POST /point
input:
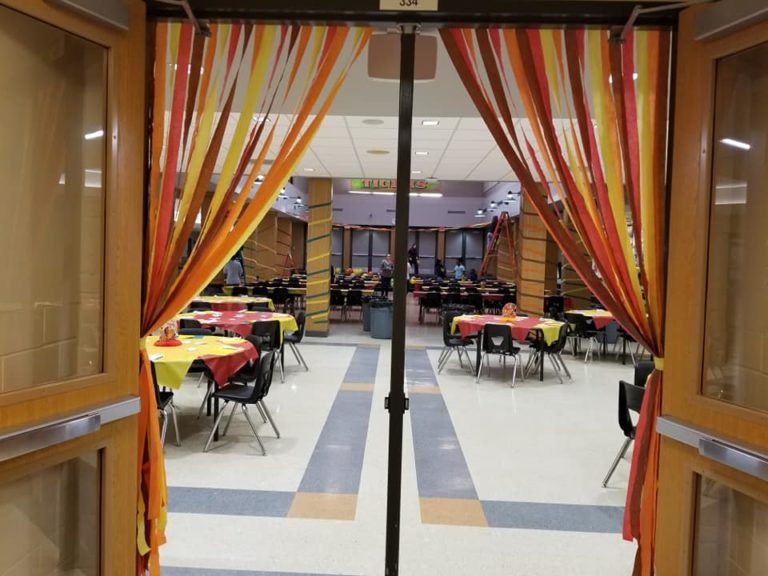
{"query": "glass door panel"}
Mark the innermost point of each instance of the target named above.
(735, 362)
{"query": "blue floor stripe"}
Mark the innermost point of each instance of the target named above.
(337, 460)
(441, 470)
(180, 571)
(418, 368)
(362, 369)
(547, 516)
(228, 502)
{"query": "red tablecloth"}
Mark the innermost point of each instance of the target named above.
(600, 318)
(228, 306)
(520, 327)
(222, 367)
(237, 322)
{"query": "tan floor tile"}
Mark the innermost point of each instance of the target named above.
(423, 389)
(352, 387)
(323, 506)
(453, 511)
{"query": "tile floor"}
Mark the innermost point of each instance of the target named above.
(496, 481)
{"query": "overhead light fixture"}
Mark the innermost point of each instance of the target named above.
(260, 178)
(510, 194)
(377, 193)
(359, 192)
(431, 194)
(309, 169)
(298, 201)
(480, 211)
(735, 143)
(94, 135)
(493, 204)
(261, 118)
(415, 171)
(421, 153)
(430, 122)
(373, 121)
(377, 152)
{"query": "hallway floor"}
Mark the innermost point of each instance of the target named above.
(496, 480)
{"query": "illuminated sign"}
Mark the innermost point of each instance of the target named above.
(390, 184)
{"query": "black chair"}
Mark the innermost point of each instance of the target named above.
(630, 399)
(430, 302)
(270, 336)
(240, 393)
(453, 343)
(584, 329)
(540, 348)
(475, 299)
(281, 297)
(165, 410)
(258, 307)
(451, 297)
(497, 340)
(625, 341)
(239, 291)
(192, 324)
(354, 301)
(197, 305)
(554, 307)
(260, 289)
(338, 302)
(293, 339)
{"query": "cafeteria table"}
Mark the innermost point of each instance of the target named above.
(222, 356)
(233, 303)
(471, 324)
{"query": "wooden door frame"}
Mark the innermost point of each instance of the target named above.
(123, 211)
(686, 301)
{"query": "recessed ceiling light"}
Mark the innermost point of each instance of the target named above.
(260, 177)
(298, 201)
(421, 153)
(373, 122)
(377, 152)
(415, 171)
(309, 169)
(735, 143)
(480, 211)
(430, 122)
(94, 135)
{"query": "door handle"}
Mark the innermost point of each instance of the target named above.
(746, 461)
(23, 441)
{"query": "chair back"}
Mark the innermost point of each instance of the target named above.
(432, 300)
(199, 331)
(451, 297)
(497, 338)
(630, 398)
(194, 305)
(642, 371)
(475, 300)
(562, 339)
(260, 290)
(280, 295)
(355, 297)
(258, 307)
(189, 323)
(337, 297)
(268, 332)
(239, 291)
(301, 320)
(580, 324)
(448, 317)
(263, 379)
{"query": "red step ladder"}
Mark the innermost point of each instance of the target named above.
(492, 250)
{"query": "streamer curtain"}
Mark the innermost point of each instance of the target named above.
(196, 80)
(591, 118)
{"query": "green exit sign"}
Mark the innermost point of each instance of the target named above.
(390, 184)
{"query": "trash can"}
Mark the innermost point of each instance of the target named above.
(381, 319)
(367, 313)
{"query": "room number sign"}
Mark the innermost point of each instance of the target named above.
(403, 5)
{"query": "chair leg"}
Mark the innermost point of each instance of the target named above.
(229, 420)
(562, 363)
(443, 352)
(480, 367)
(278, 360)
(515, 364)
(442, 364)
(263, 416)
(164, 428)
(175, 424)
(616, 461)
(469, 358)
(205, 398)
(253, 427)
(299, 356)
(556, 367)
(261, 404)
(200, 380)
(213, 430)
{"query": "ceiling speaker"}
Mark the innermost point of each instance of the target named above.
(384, 57)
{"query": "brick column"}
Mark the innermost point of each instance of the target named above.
(532, 247)
(266, 248)
(320, 223)
(284, 240)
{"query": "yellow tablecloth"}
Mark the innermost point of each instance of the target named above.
(172, 362)
(236, 299)
(550, 329)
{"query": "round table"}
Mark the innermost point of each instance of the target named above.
(233, 303)
(600, 318)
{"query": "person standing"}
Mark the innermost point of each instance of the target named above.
(233, 272)
(385, 271)
(413, 259)
(439, 269)
(458, 270)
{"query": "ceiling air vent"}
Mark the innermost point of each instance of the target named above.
(338, 209)
(457, 211)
